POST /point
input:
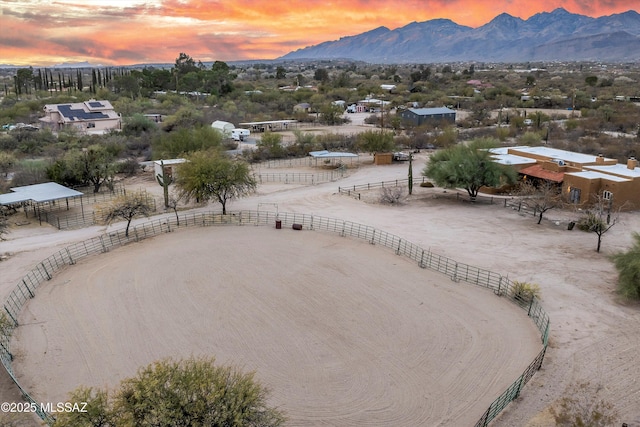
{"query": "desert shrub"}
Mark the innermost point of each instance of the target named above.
(391, 195)
(502, 133)
(426, 184)
(530, 138)
(525, 291)
(628, 266)
(128, 167)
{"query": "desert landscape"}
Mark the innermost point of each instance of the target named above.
(593, 337)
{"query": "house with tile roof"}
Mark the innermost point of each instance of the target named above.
(89, 117)
(583, 178)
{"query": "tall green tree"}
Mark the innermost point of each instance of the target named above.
(469, 167)
(185, 140)
(270, 146)
(374, 141)
(194, 392)
(91, 166)
(212, 175)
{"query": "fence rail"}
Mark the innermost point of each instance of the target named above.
(302, 178)
(500, 285)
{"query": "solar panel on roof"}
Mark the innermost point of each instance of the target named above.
(77, 113)
(95, 104)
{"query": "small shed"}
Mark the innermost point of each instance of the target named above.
(383, 158)
(170, 166)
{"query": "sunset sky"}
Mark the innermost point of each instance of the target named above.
(122, 32)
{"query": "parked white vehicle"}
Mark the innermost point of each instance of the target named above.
(239, 134)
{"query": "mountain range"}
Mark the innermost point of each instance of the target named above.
(549, 36)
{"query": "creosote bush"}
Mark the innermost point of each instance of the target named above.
(391, 195)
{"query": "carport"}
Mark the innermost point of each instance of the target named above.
(329, 156)
(38, 195)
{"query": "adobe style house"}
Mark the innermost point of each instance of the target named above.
(584, 178)
(89, 117)
(420, 116)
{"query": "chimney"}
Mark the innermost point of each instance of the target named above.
(632, 163)
(600, 159)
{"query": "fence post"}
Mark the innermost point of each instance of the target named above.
(398, 250)
(373, 237)
(25, 285)
(104, 247)
(45, 270)
(499, 286)
(15, 322)
(71, 261)
(530, 305)
(422, 259)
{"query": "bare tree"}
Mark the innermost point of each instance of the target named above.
(129, 206)
(540, 198)
(172, 202)
(600, 218)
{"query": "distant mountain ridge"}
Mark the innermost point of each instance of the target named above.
(546, 36)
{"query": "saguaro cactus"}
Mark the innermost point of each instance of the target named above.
(164, 181)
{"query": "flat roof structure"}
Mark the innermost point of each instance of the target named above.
(512, 159)
(38, 193)
(554, 153)
(618, 169)
(597, 175)
(324, 154)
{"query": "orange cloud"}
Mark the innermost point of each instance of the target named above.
(136, 31)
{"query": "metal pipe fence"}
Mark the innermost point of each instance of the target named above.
(302, 178)
(500, 285)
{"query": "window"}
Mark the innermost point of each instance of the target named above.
(607, 195)
(91, 125)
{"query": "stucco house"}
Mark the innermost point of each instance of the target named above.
(89, 117)
(421, 116)
(583, 178)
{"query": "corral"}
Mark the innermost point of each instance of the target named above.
(344, 332)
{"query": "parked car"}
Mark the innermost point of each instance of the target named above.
(399, 156)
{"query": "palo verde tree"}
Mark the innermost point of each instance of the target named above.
(91, 166)
(628, 266)
(128, 207)
(469, 167)
(374, 141)
(212, 175)
(193, 392)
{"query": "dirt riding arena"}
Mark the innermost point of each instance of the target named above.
(342, 332)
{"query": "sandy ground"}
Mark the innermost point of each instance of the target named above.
(343, 332)
(594, 337)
